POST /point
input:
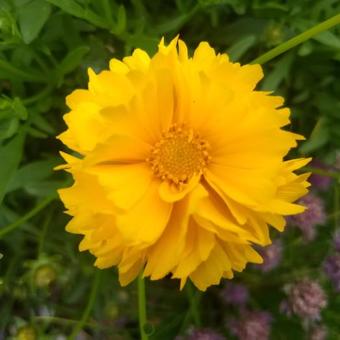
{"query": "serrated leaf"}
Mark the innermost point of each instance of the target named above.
(32, 16)
(10, 155)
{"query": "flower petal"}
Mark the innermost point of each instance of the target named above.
(126, 184)
(144, 223)
(168, 250)
(171, 192)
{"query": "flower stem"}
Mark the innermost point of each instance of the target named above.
(93, 294)
(323, 26)
(142, 307)
(29, 215)
(194, 297)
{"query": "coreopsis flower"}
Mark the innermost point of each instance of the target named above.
(179, 165)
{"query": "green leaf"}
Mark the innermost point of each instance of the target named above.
(8, 128)
(279, 73)
(19, 108)
(237, 50)
(328, 38)
(121, 20)
(42, 123)
(318, 138)
(32, 16)
(69, 6)
(32, 173)
(8, 70)
(73, 8)
(10, 155)
(73, 59)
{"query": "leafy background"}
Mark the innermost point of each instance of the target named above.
(46, 47)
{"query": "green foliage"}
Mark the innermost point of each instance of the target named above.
(46, 47)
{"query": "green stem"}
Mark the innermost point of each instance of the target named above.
(194, 304)
(323, 26)
(142, 307)
(40, 95)
(43, 233)
(32, 77)
(93, 294)
(29, 215)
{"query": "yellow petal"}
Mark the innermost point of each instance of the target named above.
(146, 220)
(171, 192)
(127, 184)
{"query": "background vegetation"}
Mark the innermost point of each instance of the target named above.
(46, 47)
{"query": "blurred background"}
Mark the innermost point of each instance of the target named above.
(48, 290)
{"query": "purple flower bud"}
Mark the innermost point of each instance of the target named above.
(234, 294)
(205, 334)
(312, 216)
(318, 181)
(306, 298)
(332, 269)
(272, 256)
(253, 325)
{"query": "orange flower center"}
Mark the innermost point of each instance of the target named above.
(179, 155)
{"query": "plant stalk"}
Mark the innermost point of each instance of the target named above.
(142, 307)
(300, 38)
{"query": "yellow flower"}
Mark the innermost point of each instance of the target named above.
(180, 168)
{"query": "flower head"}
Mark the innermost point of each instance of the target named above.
(314, 215)
(180, 165)
(234, 294)
(253, 325)
(332, 269)
(306, 299)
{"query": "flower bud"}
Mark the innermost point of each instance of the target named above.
(26, 333)
(44, 276)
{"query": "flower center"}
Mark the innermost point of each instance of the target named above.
(179, 155)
